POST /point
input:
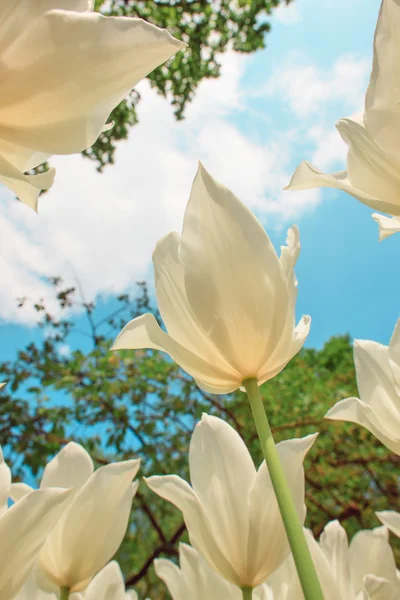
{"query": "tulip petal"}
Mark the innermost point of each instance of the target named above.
(222, 473)
(19, 490)
(107, 584)
(334, 544)
(268, 545)
(175, 490)
(23, 530)
(371, 554)
(26, 187)
(93, 527)
(170, 575)
(377, 588)
(369, 168)
(240, 300)
(387, 225)
(391, 520)
(144, 332)
(81, 58)
(372, 176)
(382, 110)
(70, 468)
(176, 312)
(5, 483)
(394, 355)
(356, 411)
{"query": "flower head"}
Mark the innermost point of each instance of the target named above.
(363, 570)
(93, 523)
(378, 380)
(226, 298)
(23, 530)
(230, 510)
(63, 70)
(196, 580)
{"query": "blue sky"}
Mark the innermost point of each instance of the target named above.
(251, 128)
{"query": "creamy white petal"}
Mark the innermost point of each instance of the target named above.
(2, 385)
(177, 314)
(108, 584)
(394, 355)
(376, 588)
(387, 225)
(26, 187)
(222, 473)
(170, 573)
(23, 529)
(285, 582)
(379, 407)
(81, 58)
(334, 544)
(382, 109)
(144, 332)
(268, 545)
(93, 527)
(233, 278)
(369, 168)
(31, 591)
(19, 490)
(391, 520)
(356, 411)
(178, 492)
(371, 554)
(70, 468)
(5, 483)
(372, 176)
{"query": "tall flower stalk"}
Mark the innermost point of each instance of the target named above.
(294, 530)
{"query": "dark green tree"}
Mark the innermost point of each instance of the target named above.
(128, 404)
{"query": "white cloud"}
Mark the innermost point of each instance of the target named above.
(104, 227)
(310, 90)
(287, 14)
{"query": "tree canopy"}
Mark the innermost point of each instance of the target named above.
(127, 404)
(210, 28)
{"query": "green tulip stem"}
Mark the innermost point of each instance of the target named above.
(294, 530)
(64, 593)
(247, 593)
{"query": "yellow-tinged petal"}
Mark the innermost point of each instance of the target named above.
(88, 60)
(268, 545)
(391, 520)
(144, 332)
(387, 225)
(373, 177)
(233, 278)
(382, 108)
(231, 512)
(92, 528)
(23, 530)
(378, 409)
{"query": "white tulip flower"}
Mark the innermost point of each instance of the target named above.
(230, 511)
(108, 584)
(378, 380)
(373, 160)
(24, 528)
(93, 523)
(197, 581)
(227, 300)
(63, 70)
(363, 570)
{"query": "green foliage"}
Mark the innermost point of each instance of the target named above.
(208, 27)
(128, 404)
